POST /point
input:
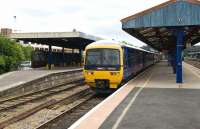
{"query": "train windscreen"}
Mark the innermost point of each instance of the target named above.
(102, 59)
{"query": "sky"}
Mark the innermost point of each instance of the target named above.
(96, 17)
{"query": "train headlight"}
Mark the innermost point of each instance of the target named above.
(114, 73)
(90, 73)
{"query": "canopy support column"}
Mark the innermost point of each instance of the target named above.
(63, 56)
(173, 61)
(179, 45)
(80, 54)
(50, 57)
(72, 59)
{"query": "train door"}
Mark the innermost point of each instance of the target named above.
(143, 59)
(125, 63)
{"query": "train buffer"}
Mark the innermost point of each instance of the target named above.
(152, 100)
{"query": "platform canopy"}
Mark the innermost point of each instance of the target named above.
(77, 40)
(157, 26)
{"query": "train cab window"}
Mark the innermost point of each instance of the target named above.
(110, 57)
(93, 57)
(102, 57)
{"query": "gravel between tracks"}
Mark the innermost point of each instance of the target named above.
(69, 118)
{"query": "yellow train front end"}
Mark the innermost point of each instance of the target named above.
(103, 66)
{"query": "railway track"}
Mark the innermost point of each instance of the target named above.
(15, 110)
(23, 99)
(67, 118)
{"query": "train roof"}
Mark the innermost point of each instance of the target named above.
(117, 43)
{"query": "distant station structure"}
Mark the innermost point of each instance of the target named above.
(74, 40)
(170, 26)
(192, 52)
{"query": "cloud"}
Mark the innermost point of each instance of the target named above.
(97, 17)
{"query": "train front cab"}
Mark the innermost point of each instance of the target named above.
(101, 77)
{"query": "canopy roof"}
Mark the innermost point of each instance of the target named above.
(157, 26)
(76, 40)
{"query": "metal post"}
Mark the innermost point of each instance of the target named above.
(173, 61)
(72, 59)
(179, 45)
(63, 56)
(81, 54)
(50, 57)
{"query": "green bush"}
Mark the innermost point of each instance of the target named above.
(27, 52)
(2, 64)
(11, 53)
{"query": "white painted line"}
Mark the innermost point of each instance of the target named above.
(192, 66)
(11, 86)
(78, 122)
(116, 125)
(196, 74)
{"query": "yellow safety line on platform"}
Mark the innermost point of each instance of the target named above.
(116, 125)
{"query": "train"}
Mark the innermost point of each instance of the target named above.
(108, 64)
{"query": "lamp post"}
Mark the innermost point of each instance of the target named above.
(15, 24)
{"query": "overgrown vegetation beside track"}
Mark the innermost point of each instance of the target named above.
(11, 53)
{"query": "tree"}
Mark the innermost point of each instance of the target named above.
(27, 52)
(2, 65)
(11, 53)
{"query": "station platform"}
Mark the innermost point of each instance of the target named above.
(152, 100)
(15, 78)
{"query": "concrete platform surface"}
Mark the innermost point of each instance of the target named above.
(12, 79)
(150, 101)
(158, 108)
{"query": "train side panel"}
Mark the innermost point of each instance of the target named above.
(148, 59)
(133, 62)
